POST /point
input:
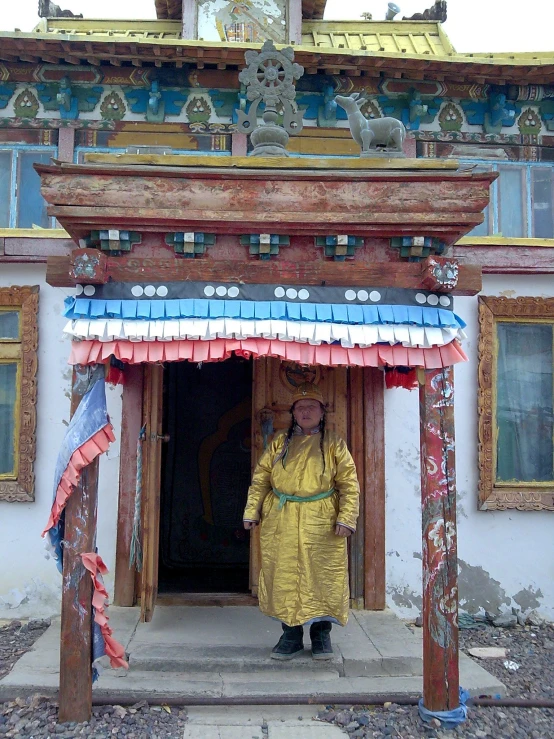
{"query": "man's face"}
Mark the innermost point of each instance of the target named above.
(308, 413)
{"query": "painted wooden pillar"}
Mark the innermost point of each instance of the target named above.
(440, 576)
(75, 696)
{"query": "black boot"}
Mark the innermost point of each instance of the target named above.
(290, 644)
(320, 634)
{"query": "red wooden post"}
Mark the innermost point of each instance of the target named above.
(76, 622)
(440, 576)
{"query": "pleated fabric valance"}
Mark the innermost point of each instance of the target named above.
(368, 328)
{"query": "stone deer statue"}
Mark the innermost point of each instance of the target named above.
(386, 133)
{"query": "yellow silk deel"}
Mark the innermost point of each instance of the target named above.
(304, 564)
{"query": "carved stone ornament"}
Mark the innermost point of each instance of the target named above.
(378, 137)
(269, 78)
(494, 496)
(440, 274)
(22, 489)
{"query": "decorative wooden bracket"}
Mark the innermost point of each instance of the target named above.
(89, 265)
(264, 246)
(339, 247)
(416, 248)
(440, 275)
(113, 241)
(189, 243)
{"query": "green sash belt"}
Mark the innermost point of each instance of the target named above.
(284, 498)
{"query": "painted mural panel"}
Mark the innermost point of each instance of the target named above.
(242, 20)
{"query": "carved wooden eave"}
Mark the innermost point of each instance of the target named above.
(411, 201)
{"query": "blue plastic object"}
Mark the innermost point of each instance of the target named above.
(448, 719)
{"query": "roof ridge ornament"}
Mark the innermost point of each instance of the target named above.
(378, 137)
(269, 78)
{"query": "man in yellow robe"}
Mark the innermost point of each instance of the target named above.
(305, 496)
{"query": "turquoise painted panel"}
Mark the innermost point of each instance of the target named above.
(524, 407)
(8, 400)
(511, 202)
(542, 197)
(9, 324)
(5, 187)
(31, 206)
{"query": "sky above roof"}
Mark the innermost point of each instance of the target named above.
(472, 25)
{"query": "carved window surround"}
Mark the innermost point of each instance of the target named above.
(22, 489)
(493, 495)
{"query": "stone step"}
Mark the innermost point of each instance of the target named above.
(210, 659)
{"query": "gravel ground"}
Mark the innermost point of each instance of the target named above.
(530, 647)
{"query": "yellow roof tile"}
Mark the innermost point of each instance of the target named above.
(404, 37)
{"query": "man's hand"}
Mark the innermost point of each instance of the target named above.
(341, 530)
(250, 524)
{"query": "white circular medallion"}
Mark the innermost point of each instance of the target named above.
(221, 290)
(303, 294)
(350, 295)
(444, 300)
(162, 291)
(433, 299)
(89, 290)
(137, 291)
(420, 298)
(232, 292)
(149, 291)
(363, 295)
(279, 292)
(78, 289)
(374, 296)
(209, 290)
(291, 293)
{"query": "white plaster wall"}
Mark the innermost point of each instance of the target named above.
(30, 584)
(506, 557)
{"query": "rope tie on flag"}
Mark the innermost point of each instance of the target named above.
(135, 551)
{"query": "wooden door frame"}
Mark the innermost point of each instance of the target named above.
(151, 492)
(131, 423)
(366, 439)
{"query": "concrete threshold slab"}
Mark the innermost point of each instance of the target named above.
(376, 655)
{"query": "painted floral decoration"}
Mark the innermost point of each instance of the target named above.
(113, 108)
(371, 110)
(529, 121)
(26, 104)
(198, 110)
(451, 118)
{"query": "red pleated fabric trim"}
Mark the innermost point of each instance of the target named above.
(81, 457)
(95, 565)
(216, 350)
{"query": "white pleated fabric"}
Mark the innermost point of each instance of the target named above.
(348, 335)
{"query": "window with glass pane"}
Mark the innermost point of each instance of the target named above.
(511, 205)
(5, 187)
(543, 224)
(524, 403)
(8, 415)
(31, 206)
(9, 325)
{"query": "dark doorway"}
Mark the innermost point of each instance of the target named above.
(205, 476)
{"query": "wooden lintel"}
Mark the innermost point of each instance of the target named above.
(380, 274)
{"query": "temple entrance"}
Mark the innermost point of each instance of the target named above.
(205, 473)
